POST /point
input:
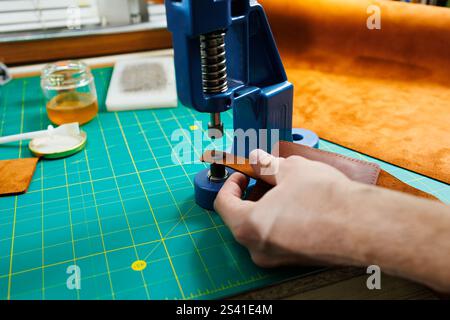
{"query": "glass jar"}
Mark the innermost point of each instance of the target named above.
(70, 93)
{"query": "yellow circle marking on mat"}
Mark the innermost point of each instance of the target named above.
(193, 128)
(139, 265)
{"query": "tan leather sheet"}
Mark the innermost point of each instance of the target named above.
(16, 175)
(385, 93)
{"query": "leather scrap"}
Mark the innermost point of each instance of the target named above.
(16, 175)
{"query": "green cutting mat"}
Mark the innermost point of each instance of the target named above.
(123, 200)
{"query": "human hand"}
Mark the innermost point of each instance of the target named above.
(315, 215)
(300, 221)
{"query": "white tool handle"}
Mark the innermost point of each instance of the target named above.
(70, 129)
(23, 136)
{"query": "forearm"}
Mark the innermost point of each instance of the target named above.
(404, 235)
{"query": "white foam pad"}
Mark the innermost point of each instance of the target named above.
(142, 84)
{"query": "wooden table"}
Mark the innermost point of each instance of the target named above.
(343, 284)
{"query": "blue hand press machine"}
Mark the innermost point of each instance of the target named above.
(226, 58)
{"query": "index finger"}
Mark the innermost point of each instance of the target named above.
(266, 166)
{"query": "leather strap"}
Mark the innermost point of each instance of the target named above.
(357, 170)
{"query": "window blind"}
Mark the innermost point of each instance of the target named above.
(28, 15)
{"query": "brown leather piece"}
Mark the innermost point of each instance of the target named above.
(356, 170)
(385, 93)
(16, 175)
(231, 161)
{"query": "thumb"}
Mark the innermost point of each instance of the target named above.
(229, 204)
(266, 166)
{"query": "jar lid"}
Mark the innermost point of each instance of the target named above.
(64, 75)
(58, 146)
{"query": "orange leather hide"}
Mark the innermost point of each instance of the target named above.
(386, 92)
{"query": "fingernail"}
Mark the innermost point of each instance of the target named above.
(265, 160)
(260, 157)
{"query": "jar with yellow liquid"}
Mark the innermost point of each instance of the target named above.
(69, 89)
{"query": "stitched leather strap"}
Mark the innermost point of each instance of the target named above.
(357, 170)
